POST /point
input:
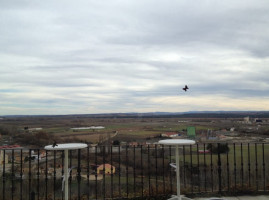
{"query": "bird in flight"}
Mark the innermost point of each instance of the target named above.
(54, 144)
(185, 88)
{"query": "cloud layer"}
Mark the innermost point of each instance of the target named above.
(72, 57)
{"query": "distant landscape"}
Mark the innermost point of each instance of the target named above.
(194, 114)
(121, 128)
(235, 142)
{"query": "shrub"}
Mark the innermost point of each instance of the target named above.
(218, 148)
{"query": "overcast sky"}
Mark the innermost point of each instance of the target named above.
(91, 56)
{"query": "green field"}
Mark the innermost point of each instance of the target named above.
(235, 155)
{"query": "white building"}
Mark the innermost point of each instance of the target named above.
(246, 120)
(2, 158)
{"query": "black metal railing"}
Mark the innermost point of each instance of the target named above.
(102, 172)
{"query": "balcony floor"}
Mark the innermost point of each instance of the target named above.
(261, 197)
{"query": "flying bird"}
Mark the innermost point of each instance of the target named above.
(185, 88)
(54, 144)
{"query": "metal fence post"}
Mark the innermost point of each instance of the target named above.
(32, 195)
(219, 167)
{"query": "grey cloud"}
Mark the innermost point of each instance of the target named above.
(235, 28)
(118, 55)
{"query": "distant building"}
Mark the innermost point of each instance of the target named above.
(191, 131)
(133, 144)
(258, 120)
(90, 127)
(106, 169)
(35, 129)
(10, 146)
(203, 151)
(209, 133)
(3, 158)
(38, 157)
(170, 134)
(247, 120)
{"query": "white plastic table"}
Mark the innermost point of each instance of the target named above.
(177, 143)
(66, 147)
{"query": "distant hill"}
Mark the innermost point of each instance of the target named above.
(190, 114)
(226, 114)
